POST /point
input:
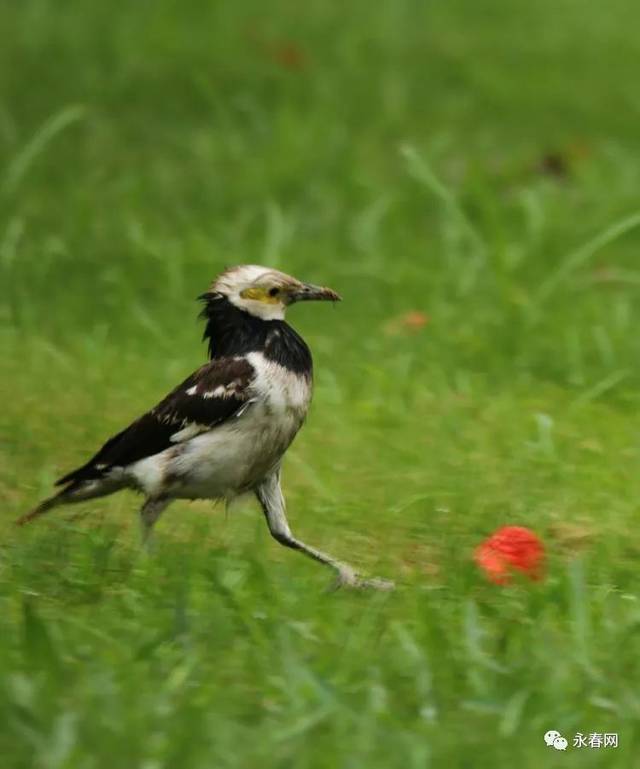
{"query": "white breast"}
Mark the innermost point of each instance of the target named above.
(282, 390)
(232, 458)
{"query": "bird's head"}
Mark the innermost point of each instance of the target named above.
(265, 293)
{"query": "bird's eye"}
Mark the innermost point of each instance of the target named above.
(273, 291)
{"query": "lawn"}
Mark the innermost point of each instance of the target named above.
(466, 175)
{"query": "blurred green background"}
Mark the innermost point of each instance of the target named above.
(466, 175)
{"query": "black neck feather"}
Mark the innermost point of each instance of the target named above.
(231, 331)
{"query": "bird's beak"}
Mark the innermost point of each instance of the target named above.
(307, 292)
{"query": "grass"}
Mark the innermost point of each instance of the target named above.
(476, 163)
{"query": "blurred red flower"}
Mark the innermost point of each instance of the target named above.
(509, 549)
(289, 55)
(408, 322)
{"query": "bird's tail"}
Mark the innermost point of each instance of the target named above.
(41, 509)
(77, 491)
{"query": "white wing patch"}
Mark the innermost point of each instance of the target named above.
(221, 391)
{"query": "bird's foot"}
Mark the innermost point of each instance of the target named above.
(349, 577)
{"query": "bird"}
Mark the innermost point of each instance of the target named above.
(224, 430)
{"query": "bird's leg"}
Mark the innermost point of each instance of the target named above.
(270, 497)
(150, 511)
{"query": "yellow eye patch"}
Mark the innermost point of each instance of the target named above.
(260, 294)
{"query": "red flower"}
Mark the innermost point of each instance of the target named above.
(510, 548)
(408, 322)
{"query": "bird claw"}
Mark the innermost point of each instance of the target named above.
(348, 577)
(377, 583)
